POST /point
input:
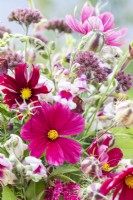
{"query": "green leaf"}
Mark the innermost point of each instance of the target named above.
(35, 190)
(3, 110)
(124, 140)
(7, 194)
(63, 170)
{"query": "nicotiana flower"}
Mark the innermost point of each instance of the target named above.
(47, 131)
(34, 168)
(15, 146)
(103, 23)
(109, 158)
(23, 87)
(6, 175)
(121, 185)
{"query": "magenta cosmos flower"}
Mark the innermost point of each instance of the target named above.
(46, 131)
(23, 87)
(121, 185)
(103, 23)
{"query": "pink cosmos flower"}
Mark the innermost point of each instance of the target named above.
(46, 131)
(23, 87)
(103, 23)
(121, 185)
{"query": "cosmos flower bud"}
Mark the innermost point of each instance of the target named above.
(91, 166)
(23, 107)
(93, 41)
(124, 113)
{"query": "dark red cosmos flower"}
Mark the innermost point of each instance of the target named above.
(23, 87)
(122, 185)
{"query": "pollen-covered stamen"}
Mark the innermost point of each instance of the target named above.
(105, 167)
(52, 135)
(129, 181)
(26, 93)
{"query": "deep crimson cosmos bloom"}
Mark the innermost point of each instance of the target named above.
(24, 86)
(122, 185)
(46, 131)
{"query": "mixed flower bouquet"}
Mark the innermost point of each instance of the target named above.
(66, 113)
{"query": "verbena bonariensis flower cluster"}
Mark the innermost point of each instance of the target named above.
(66, 110)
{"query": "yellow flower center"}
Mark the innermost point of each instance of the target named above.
(26, 93)
(52, 134)
(129, 181)
(105, 167)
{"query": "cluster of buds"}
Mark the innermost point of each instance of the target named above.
(89, 65)
(13, 59)
(25, 16)
(59, 25)
(125, 81)
(3, 30)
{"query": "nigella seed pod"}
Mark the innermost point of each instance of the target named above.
(124, 113)
(93, 41)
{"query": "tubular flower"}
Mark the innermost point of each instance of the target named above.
(46, 131)
(103, 23)
(122, 185)
(23, 87)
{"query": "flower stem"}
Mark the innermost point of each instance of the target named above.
(118, 67)
(26, 43)
(31, 4)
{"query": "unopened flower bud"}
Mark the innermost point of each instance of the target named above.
(23, 107)
(93, 41)
(10, 126)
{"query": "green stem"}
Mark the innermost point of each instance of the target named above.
(118, 67)
(31, 4)
(26, 43)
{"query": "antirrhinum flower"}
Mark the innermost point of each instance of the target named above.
(23, 87)
(3, 30)
(6, 175)
(57, 24)
(47, 131)
(34, 168)
(89, 65)
(15, 146)
(25, 16)
(13, 59)
(125, 81)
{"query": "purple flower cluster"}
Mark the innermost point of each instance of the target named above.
(89, 65)
(66, 190)
(25, 16)
(13, 59)
(125, 81)
(3, 30)
(58, 24)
